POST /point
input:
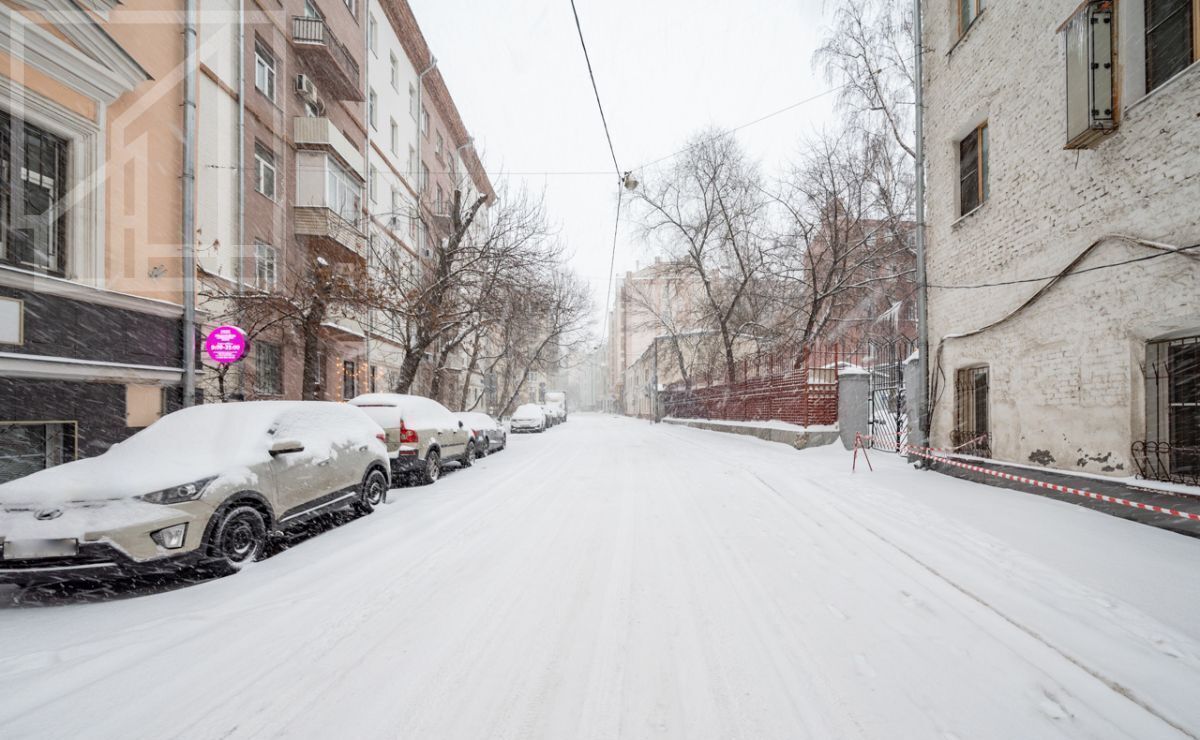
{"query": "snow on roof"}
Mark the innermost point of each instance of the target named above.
(417, 412)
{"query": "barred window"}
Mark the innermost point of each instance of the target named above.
(268, 371)
(33, 186)
(971, 410)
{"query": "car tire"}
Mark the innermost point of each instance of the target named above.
(433, 468)
(374, 491)
(240, 537)
(468, 458)
(486, 448)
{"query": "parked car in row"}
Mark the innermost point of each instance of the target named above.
(489, 434)
(204, 485)
(422, 435)
(529, 417)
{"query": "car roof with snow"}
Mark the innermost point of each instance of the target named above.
(417, 412)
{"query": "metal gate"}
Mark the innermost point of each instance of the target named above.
(887, 405)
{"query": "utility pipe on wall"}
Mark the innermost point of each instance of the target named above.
(189, 203)
(924, 420)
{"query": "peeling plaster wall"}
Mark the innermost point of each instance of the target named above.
(1066, 382)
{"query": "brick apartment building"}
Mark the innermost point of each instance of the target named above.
(1061, 145)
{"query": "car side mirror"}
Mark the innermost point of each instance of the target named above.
(284, 446)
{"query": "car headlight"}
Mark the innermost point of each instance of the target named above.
(177, 494)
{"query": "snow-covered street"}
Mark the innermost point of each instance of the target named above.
(613, 578)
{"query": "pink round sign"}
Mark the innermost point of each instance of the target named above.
(225, 344)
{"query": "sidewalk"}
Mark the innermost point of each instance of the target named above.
(1117, 488)
(773, 431)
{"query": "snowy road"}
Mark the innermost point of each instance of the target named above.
(612, 578)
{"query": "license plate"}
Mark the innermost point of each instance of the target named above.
(30, 549)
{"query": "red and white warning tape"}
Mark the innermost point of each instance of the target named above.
(926, 452)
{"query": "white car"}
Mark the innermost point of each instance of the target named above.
(422, 434)
(204, 485)
(488, 433)
(529, 417)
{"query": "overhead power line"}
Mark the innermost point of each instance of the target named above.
(595, 89)
(1021, 281)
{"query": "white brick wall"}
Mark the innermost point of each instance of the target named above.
(1066, 374)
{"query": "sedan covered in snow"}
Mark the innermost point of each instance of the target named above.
(422, 434)
(488, 433)
(529, 417)
(204, 485)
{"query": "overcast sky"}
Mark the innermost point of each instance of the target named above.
(665, 68)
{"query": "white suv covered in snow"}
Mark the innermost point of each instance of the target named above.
(529, 417)
(202, 485)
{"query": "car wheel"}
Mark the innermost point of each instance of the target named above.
(239, 538)
(468, 458)
(374, 489)
(433, 468)
(486, 448)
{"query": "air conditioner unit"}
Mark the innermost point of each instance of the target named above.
(306, 88)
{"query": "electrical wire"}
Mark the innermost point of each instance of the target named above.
(1022, 281)
(596, 90)
(612, 261)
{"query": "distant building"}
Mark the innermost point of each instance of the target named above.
(1063, 171)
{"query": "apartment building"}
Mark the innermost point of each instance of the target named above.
(90, 279)
(281, 180)
(420, 154)
(1063, 182)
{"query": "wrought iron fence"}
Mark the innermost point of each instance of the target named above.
(1163, 461)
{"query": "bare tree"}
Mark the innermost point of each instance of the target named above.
(869, 52)
(304, 299)
(706, 212)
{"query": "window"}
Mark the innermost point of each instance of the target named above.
(350, 5)
(1171, 451)
(440, 202)
(311, 11)
(441, 145)
(1172, 35)
(349, 379)
(373, 183)
(373, 371)
(396, 204)
(424, 176)
(395, 73)
(373, 109)
(968, 11)
(425, 122)
(372, 34)
(973, 170)
(268, 370)
(971, 411)
(412, 101)
(395, 136)
(343, 194)
(27, 447)
(264, 70)
(1088, 37)
(412, 163)
(33, 212)
(266, 266)
(264, 171)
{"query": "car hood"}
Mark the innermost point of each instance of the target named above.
(122, 474)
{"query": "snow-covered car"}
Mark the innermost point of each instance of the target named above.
(529, 417)
(551, 415)
(422, 434)
(558, 401)
(488, 433)
(204, 485)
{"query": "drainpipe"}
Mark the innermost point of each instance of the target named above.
(420, 122)
(924, 422)
(189, 195)
(241, 174)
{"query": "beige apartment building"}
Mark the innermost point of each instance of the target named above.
(1063, 183)
(91, 109)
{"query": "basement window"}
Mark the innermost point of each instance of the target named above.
(1088, 37)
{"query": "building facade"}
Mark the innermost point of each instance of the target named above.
(90, 292)
(1063, 181)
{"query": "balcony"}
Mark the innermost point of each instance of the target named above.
(325, 228)
(321, 133)
(330, 61)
